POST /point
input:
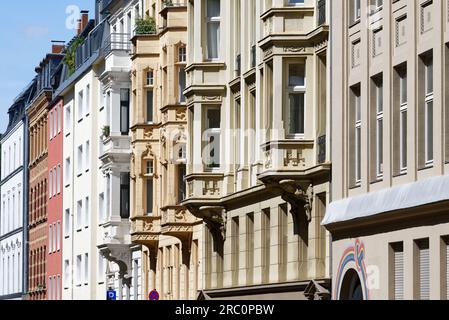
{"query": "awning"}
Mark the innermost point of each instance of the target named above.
(411, 195)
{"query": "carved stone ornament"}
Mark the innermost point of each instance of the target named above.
(216, 219)
(296, 194)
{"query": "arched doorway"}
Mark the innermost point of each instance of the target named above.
(351, 288)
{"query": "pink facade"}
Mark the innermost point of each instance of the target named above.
(55, 227)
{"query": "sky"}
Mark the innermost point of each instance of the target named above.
(27, 30)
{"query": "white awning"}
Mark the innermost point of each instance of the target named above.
(401, 197)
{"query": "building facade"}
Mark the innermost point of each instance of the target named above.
(37, 114)
(123, 259)
(258, 162)
(169, 233)
(55, 201)
(390, 152)
(14, 204)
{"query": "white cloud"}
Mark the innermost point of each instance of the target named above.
(36, 31)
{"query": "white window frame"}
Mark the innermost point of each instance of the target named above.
(427, 103)
(379, 129)
(212, 132)
(209, 21)
(357, 138)
(182, 54)
(293, 90)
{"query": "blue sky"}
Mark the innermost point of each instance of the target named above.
(27, 31)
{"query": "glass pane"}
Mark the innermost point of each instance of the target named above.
(213, 118)
(150, 197)
(149, 106)
(358, 150)
(429, 77)
(379, 146)
(296, 75)
(213, 8)
(182, 85)
(213, 38)
(296, 114)
(358, 108)
(429, 131)
(403, 84)
(403, 139)
(379, 97)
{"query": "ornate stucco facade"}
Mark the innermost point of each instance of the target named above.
(170, 235)
(258, 163)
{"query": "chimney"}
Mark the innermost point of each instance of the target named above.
(57, 46)
(83, 21)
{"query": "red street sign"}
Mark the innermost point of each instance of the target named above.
(154, 295)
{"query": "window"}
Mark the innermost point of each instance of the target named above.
(213, 13)
(79, 215)
(356, 8)
(181, 182)
(150, 106)
(423, 269)
(150, 197)
(378, 83)
(66, 273)
(87, 166)
(150, 78)
(50, 122)
(50, 184)
(54, 181)
(101, 207)
(428, 111)
(58, 236)
(124, 195)
(79, 261)
(55, 238)
(80, 105)
(356, 135)
(124, 111)
(296, 98)
(58, 177)
(68, 119)
(67, 224)
(59, 119)
(235, 249)
(212, 136)
(403, 108)
(101, 272)
(55, 122)
(150, 169)
(182, 54)
(80, 159)
(295, 2)
(86, 269)
(181, 85)
(86, 212)
(68, 171)
(377, 4)
(50, 238)
(87, 100)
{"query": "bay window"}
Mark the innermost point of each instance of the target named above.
(213, 13)
(296, 99)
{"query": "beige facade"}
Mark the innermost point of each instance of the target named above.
(390, 149)
(258, 169)
(170, 235)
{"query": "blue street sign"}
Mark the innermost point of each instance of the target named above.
(111, 295)
(154, 295)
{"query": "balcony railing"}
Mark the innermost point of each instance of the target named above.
(117, 41)
(205, 185)
(321, 12)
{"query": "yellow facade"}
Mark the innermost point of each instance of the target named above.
(170, 235)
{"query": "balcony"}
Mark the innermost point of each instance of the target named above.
(115, 149)
(178, 222)
(115, 232)
(204, 186)
(289, 159)
(117, 42)
(146, 230)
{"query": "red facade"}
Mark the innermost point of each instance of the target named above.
(55, 227)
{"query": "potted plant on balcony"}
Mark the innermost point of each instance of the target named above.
(146, 26)
(106, 131)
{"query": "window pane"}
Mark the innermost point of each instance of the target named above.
(149, 106)
(358, 150)
(213, 8)
(429, 131)
(124, 111)
(403, 139)
(296, 75)
(379, 146)
(213, 38)
(296, 114)
(213, 118)
(150, 197)
(182, 85)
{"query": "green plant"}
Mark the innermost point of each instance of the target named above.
(146, 26)
(169, 3)
(106, 131)
(70, 54)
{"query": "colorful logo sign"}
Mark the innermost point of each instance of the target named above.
(154, 295)
(353, 258)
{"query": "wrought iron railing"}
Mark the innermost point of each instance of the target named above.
(117, 41)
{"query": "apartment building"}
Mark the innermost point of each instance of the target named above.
(258, 164)
(170, 235)
(14, 200)
(122, 266)
(390, 149)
